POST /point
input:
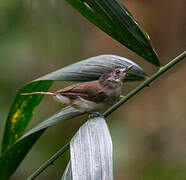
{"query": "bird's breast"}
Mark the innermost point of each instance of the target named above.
(113, 95)
(87, 106)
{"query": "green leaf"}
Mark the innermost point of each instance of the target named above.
(23, 106)
(113, 18)
(91, 68)
(12, 157)
(22, 111)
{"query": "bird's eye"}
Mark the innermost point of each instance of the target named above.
(117, 71)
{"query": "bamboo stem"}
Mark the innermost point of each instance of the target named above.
(49, 162)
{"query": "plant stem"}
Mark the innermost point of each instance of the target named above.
(113, 108)
(49, 162)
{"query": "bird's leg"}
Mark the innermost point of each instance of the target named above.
(95, 114)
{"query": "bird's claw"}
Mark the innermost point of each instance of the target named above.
(95, 114)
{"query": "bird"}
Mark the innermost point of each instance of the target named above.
(92, 96)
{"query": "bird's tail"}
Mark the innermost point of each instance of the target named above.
(47, 93)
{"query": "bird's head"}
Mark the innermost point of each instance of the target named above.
(115, 74)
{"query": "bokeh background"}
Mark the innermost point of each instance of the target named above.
(148, 132)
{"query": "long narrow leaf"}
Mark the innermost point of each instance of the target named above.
(22, 111)
(91, 68)
(91, 152)
(113, 18)
(11, 158)
(66, 113)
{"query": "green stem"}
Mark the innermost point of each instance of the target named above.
(113, 108)
(49, 162)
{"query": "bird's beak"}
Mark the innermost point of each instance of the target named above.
(129, 68)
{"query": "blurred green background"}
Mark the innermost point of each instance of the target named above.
(148, 132)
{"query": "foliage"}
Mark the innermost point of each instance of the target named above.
(113, 18)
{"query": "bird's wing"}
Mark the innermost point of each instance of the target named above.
(91, 91)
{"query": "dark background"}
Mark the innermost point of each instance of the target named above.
(148, 132)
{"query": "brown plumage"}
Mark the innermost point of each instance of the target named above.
(91, 91)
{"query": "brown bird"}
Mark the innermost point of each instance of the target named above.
(92, 96)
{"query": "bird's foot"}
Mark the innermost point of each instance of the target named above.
(95, 114)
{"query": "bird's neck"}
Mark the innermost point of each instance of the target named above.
(110, 84)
